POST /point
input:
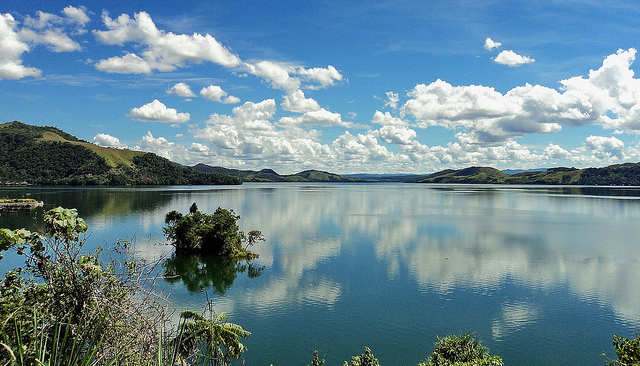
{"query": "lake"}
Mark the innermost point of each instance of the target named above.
(542, 275)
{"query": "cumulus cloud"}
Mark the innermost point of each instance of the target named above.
(490, 44)
(216, 94)
(512, 59)
(320, 117)
(77, 15)
(55, 39)
(556, 152)
(604, 147)
(51, 30)
(181, 90)
(385, 118)
(127, 64)
(290, 77)
(200, 148)
(11, 50)
(107, 140)
(609, 95)
(394, 134)
(162, 51)
(158, 112)
(297, 102)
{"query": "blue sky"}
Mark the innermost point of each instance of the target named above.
(92, 71)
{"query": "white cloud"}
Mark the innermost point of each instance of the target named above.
(158, 112)
(608, 95)
(127, 64)
(605, 147)
(556, 152)
(200, 148)
(230, 99)
(297, 102)
(323, 76)
(392, 99)
(385, 118)
(55, 39)
(512, 59)
(490, 44)
(181, 90)
(289, 77)
(394, 134)
(77, 15)
(320, 117)
(274, 72)
(163, 51)
(11, 50)
(106, 140)
(216, 94)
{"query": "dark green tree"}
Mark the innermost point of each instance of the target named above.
(215, 234)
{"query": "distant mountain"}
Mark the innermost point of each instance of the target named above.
(400, 178)
(47, 155)
(621, 175)
(269, 175)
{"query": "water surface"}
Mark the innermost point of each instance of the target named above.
(543, 275)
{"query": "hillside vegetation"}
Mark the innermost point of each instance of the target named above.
(621, 175)
(47, 155)
(269, 175)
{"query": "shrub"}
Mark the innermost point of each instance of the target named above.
(462, 350)
(210, 234)
(627, 351)
(367, 358)
(67, 308)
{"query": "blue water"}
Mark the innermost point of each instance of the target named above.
(542, 275)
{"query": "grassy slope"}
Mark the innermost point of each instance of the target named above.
(485, 175)
(113, 157)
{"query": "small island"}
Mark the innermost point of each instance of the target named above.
(14, 204)
(216, 234)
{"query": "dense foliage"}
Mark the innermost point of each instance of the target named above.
(27, 156)
(66, 308)
(367, 358)
(216, 234)
(627, 351)
(462, 350)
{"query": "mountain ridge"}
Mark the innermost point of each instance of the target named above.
(270, 175)
(40, 155)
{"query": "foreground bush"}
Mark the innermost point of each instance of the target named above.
(627, 351)
(66, 308)
(210, 234)
(462, 350)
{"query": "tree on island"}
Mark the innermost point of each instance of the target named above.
(215, 234)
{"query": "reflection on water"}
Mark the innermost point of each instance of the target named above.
(199, 273)
(553, 270)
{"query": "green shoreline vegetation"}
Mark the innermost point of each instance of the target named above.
(64, 307)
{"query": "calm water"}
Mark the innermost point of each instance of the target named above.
(544, 276)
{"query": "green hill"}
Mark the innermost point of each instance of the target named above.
(269, 175)
(616, 175)
(47, 155)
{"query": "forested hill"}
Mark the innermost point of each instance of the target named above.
(615, 175)
(47, 155)
(269, 175)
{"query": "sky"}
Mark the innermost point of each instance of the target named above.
(348, 87)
